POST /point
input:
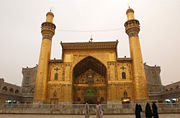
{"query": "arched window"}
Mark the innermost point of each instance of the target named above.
(102, 99)
(11, 90)
(54, 94)
(32, 90)
(79, 99)
(16, 91)
(123, 75)
(125, 94)
(4, 88)
(56, 76)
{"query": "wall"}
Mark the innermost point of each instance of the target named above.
(116, 84)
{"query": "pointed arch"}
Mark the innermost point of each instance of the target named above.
(92, 73)
(89, 63)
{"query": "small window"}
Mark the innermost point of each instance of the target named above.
(125, 94)
(27, 79)
(54, 94)
(23, 90)
(56, 76)
(123, 75)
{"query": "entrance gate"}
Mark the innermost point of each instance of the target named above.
(90, 96)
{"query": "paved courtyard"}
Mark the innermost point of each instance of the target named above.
(79, 116)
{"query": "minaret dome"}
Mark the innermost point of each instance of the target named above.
(49, 17)
(130, 14)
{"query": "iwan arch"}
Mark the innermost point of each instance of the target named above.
(90, 71)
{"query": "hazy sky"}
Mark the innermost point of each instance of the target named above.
(20, 26)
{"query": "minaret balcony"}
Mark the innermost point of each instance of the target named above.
(132, 27)
(48, 30)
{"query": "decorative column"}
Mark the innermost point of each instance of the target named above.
(48, 31)
(139, 80)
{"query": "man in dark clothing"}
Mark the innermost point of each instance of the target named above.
(148, 111)
(155, 110)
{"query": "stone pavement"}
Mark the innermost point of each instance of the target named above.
(78, 116)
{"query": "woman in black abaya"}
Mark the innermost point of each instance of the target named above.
(155, 110)
(137, 111)
(148, 111)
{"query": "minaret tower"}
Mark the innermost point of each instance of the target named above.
(48, 31)
(132, 29)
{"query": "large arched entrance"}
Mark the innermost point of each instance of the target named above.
(89, 81)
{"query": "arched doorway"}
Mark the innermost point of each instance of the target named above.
(89, 81)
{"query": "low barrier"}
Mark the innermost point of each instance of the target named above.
(80, 108)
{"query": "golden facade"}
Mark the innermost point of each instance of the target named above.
(90, 71)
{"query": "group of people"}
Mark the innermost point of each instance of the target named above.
(99, 110)
(148, 112)
(138, 111)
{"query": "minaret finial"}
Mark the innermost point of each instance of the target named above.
(49, 16)
(130, 13)
(91, 38)
(129, 5)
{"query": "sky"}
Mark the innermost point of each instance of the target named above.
(77, 20)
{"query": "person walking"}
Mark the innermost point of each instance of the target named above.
(141, 112)
(137, 111)
(87, 110)
(155, 110)
(99, 111)
(148, 111)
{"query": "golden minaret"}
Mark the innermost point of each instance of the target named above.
(48, 31)
(132, 27)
